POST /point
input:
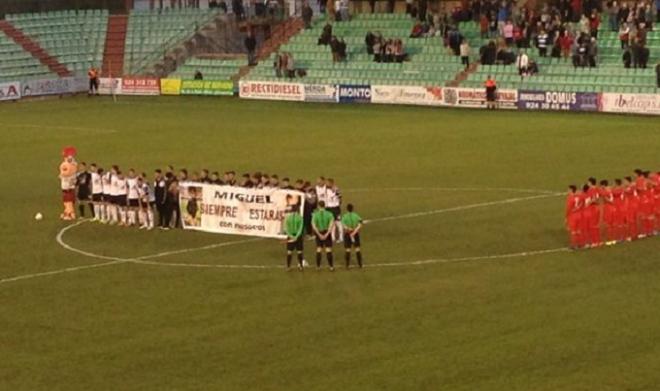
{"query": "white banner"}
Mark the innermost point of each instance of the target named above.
(63, 85)
(476, 97)
(271, 90)
(10, 91)
(630, 103)
(321, 93)
(407, 95)
(109, 86)
(237, 210)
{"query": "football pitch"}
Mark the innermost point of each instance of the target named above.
(468, 284)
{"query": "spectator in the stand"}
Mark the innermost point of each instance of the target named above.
(635, 51)
(627, 58)
(518, 35)
(290, 66)
(522, 63)
(612, 13)
(488, 53)
(326, 35)
(399, 51)
(237, 8)
(280, 64)
(624, 35)
(333, 48)
(409, 7)
(565, 42)
(198, 75)
(505, 56)
(251, 47)
(423, 6)
(417, 30)
(502, 16)
(492, 25)
(454, 39)
(390, 6)
(542, 43)
(372, 6)
(507, 32)
(343, 10)
(369, 41)
(341, 50)
(378, 49)
(532, 68)
(622, 15)
(592, 53)
(594, 23)
(483, 26)
(307, 15)
(213, 4)
(465, 53)
(330, 10)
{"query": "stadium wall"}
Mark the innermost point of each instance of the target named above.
(625, 103)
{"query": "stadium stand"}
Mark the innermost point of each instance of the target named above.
(560, 75)
(151, 33)
(211, 69)
(74, 38)
(429, 64)
(18, 64)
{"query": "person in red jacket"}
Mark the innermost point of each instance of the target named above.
(647, 206)
(565, 44)
(620, 210)
(609, 212)
(632, 208)
(594, 23)
(592, 207)
(574, 203)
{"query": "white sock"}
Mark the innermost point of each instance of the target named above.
(150, 218)
(114, 211)
(340, 231)
(142, 218)
(97, 212)
(122, 215)
(131, 217)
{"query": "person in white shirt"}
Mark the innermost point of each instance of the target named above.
(97, 192)
(333, 205)
(133, 197)
(321, 190)
(114, 200)
(147, 201)
(464, 50)
(522, 62)
(122, 198)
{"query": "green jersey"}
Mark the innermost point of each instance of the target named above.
(293, 225)
(322, 219)
(351, 220)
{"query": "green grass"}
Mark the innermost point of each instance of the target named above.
(557, 321)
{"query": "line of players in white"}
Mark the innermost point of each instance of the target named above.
(125, 200)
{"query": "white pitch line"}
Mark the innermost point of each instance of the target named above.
(458, 208)
(144, 259)
(61, 271)
(452, 189)
(81, 128)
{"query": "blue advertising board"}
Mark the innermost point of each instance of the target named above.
(354, 93)
(557, 100)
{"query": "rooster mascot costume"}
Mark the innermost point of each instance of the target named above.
(68, 171)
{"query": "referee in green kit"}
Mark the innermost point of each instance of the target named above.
(293, 227)
(323, 223)
(352, 223)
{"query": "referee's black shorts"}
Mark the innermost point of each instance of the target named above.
(327, 242)
(354, 242)
(296, 245)
(336, 211)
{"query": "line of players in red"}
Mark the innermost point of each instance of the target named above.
(626, 210)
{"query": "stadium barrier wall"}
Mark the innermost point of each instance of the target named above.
(56, 86)
(10, 91)
(647, 104)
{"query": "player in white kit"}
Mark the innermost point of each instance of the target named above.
(333, 204)
(147, 202)
(97, 192)
(133, 197)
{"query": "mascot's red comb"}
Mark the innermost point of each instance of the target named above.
(69, 151)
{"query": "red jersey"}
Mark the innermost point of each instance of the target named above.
(609, 207)
(593, 195)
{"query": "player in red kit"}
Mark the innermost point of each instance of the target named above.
(632, 208)
(646, 205)
(593, 213)
(620, 210)
(656, 192)
(574, 203)
(609, 212)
